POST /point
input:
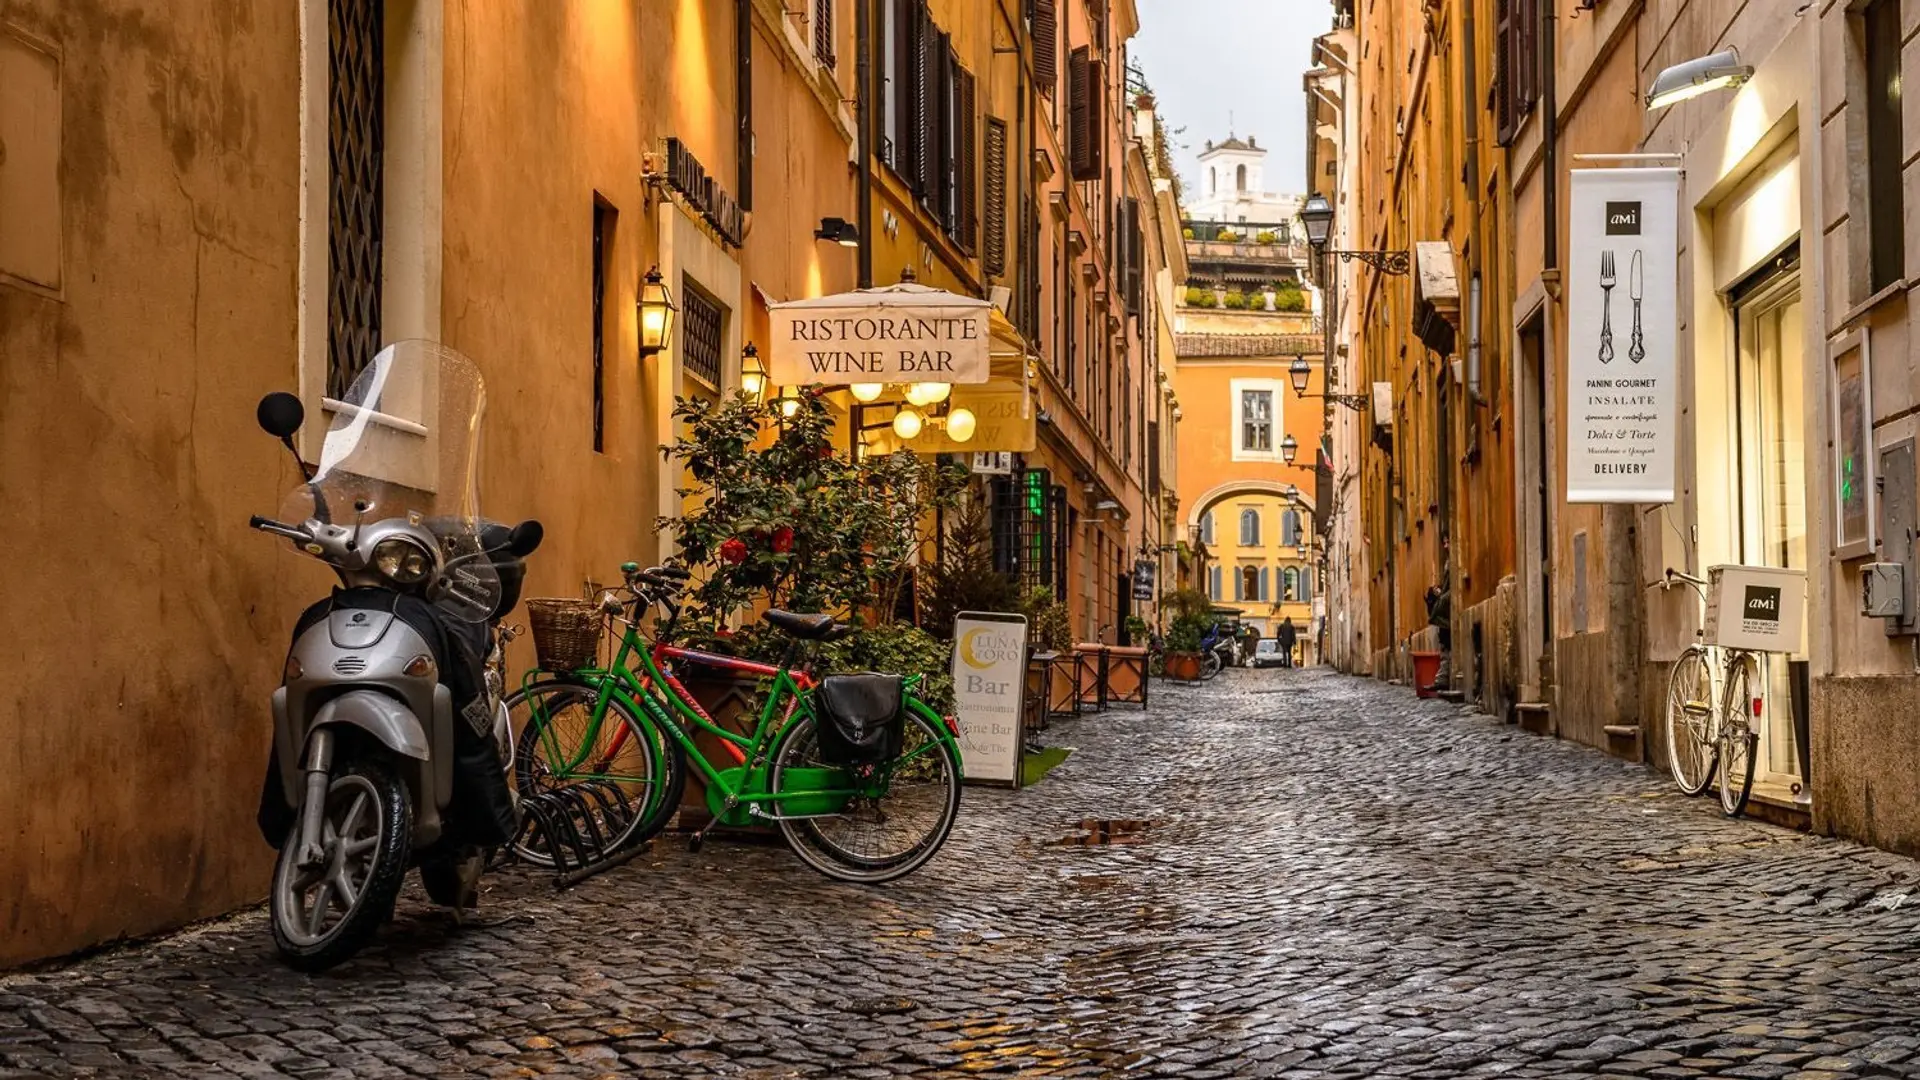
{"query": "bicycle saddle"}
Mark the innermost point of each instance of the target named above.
(804, 627)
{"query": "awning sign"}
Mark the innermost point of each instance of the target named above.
(899, 334)
(1622, 331)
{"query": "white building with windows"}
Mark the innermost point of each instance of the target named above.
(1232, 188)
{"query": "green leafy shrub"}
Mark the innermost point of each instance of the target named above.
(1199, 297)
(1267, 236)
(1237, 300)
(964, 579)
(1192, 613)
(898, 649)
(1049, 627)
(1290, 297)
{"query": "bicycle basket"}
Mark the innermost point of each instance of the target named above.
(860, 719)
(566, 633)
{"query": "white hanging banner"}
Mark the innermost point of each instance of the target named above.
(989, 686)
(1623, 391)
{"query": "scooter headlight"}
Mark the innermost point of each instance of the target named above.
(402, 561)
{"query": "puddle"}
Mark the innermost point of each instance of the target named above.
(1102, 832)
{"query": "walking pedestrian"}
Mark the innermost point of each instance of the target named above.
(1288, 635)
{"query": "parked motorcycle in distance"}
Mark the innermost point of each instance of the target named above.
(391, 743)
(1218, 650)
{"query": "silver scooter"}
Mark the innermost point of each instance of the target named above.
(391, 704)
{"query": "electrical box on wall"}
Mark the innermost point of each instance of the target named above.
(1883, 590)
(1899, 493)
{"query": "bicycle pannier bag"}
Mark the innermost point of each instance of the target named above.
(859, 719)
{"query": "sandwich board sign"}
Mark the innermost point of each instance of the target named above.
(989, 689)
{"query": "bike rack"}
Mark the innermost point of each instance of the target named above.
(567, 818)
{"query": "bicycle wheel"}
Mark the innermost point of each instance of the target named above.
(559, 746)
(1691, 750)
(908, 809)
(1739, 708)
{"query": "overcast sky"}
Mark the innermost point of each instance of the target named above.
(1206, 59)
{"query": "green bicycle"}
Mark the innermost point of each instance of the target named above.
(861, 776)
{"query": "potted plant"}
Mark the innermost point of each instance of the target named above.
(1192, 612)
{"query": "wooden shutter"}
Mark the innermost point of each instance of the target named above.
(926, 78)
(823, 30)
(994, 254)
(909, 133)
(967, 166)
(1135, 241)
(1046, 46)
(940, 65)
(1080, 116)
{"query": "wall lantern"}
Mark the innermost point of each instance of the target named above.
(1317, 217)
(1299, 372)
(1702, 75)
(839, 230)
(656, 314)
(1289, 449)
(753, 376)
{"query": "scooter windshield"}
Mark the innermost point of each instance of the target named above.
(404, 443)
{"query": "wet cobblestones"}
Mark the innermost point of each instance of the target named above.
(1329, 879)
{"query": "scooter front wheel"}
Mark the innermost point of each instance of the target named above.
(323, 911)
(1210, 665)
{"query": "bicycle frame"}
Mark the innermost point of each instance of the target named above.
(655, 692)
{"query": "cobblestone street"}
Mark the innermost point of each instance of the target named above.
(1335, 880)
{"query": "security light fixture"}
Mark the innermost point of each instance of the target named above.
(656, 313)
(840, 231)
(1703, 75)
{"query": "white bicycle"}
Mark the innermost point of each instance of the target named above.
(1714, 698)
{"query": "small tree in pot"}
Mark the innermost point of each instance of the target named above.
(1192, 612)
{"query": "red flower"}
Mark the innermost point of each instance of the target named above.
(782, 540)
(734, 550)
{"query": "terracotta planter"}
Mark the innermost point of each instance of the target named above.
(1184, 666)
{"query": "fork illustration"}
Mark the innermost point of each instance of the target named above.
(1636, 289)
(1607, 280)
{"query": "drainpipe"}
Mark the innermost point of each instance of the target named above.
(1551, 134)
(743, 41)
(863, 120)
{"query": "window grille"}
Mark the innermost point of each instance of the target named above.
(701, 320)
(356, 62)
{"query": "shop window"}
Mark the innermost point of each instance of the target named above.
(1250, 527)
(1885, 201)
(1256, 421)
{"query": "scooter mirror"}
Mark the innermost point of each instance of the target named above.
(525, 537)
(280, 414)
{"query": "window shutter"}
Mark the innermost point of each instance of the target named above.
(969, 165)
(1264, 591)
(823, 31)
(1046, 46)
(1080, 115)
(1239, 585)
(1135, 241)
(994, 255)
(927, 61)
(909, 16)
(939, 192)
(1096, 117)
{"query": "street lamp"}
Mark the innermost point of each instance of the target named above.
(656, 314)
(1317, 217)
(839, 230)
(1300, 371)
(1289, 448)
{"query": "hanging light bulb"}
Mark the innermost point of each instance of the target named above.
(907, 423)
(960, 425)
(924, 394)
(866, 391)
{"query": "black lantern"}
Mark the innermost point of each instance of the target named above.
(1317, 217)
(1299, 372)
(753, 375)
(656, 314)
(1289, 449)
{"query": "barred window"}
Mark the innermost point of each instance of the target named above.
(701, 322)
(356, 106)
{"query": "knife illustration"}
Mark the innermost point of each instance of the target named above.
(1636, 288)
